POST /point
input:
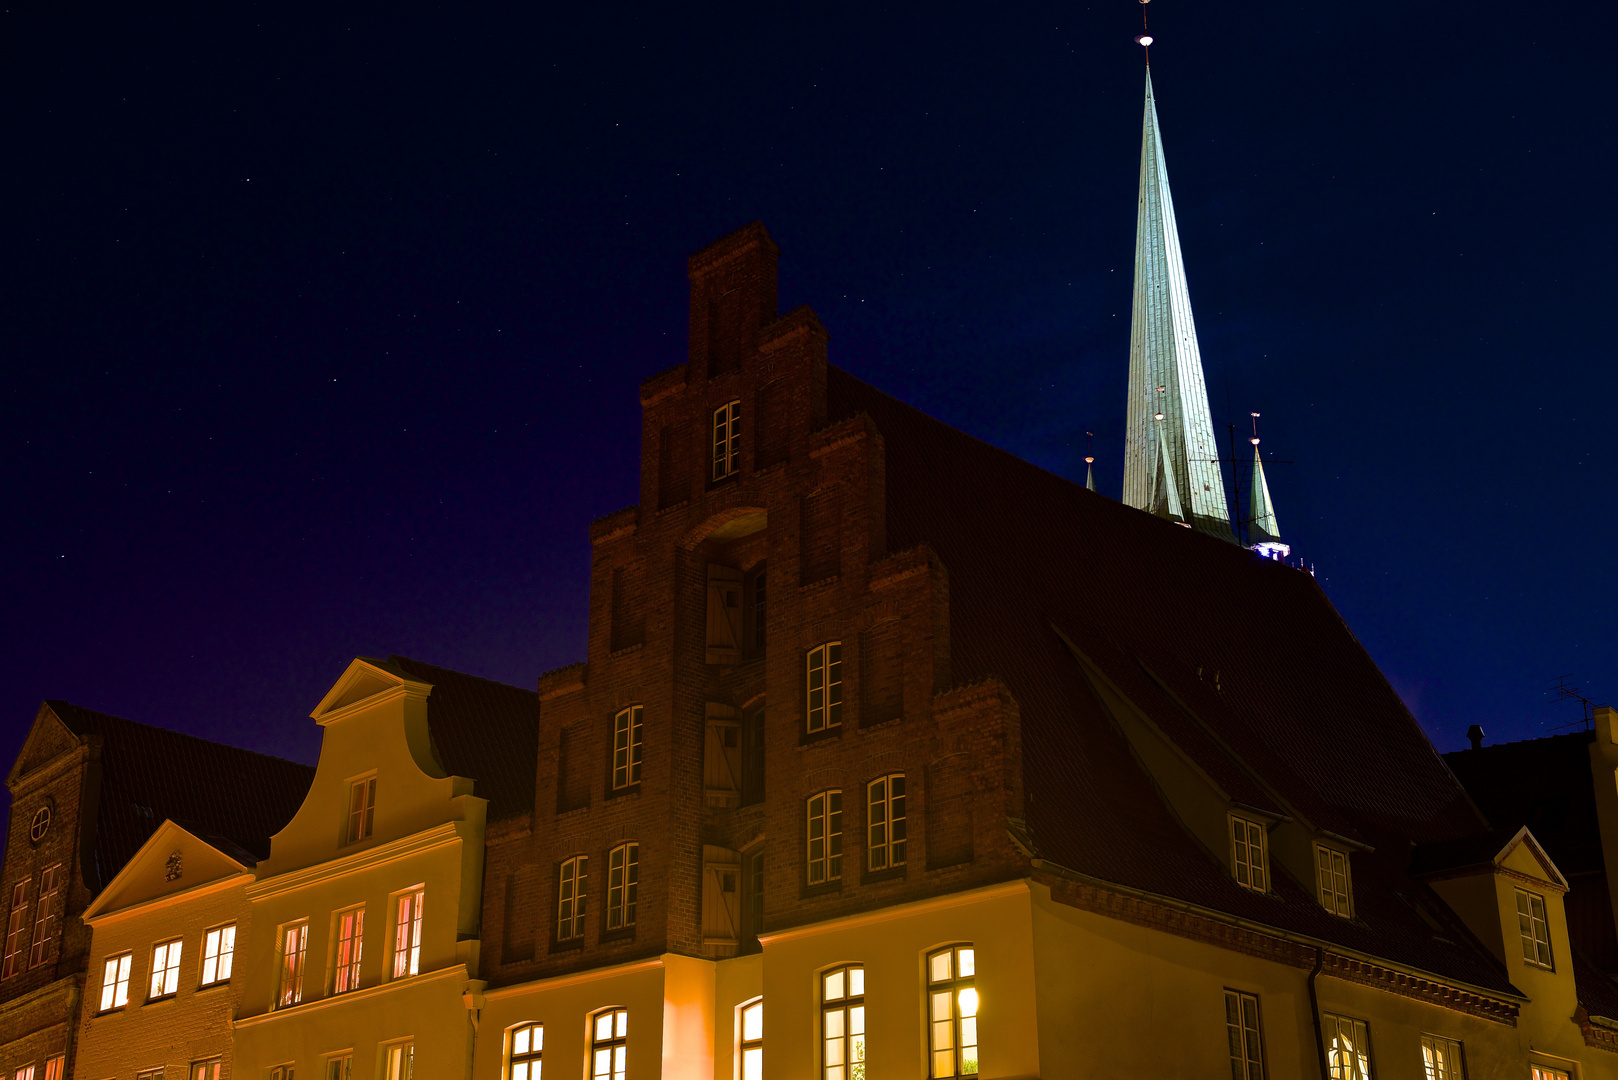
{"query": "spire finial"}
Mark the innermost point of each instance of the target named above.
(1263, 531)
(1144, 38)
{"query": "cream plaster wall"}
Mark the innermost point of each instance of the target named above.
(565, 1004)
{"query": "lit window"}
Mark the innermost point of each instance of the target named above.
(825, 686)
(294, 944)
(165, 971)
(753, 1041)
(24, 1073)
(281, 1072)
(826, 837)
(401, 1061)
(16, 939)
(340, 1067)
(361, 809)
(1331, 873)
(407, 934)
(115, 982)
(50, 887)
(570, 896)
(1441, 1058)
(623, 876)
(1545, 1072)
(952, 1011)
(1348, 1047)
(527, 1044)
(626, 736)
(56, 1067)
(886, 821)
(1535, 931)
(1247, 853)
(157, 1074)
(208, 1070)
(350, 947)
(727, 439)
(842, 1023)
(218, 953)
(609, 1045)
(1242, 1033)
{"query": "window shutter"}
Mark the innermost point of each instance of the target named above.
(724, 615)
(721, 896)
(722, 757)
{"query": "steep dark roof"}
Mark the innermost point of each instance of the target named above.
(149, 774)
(1299, 704)
(1545, 784)
(484, 730)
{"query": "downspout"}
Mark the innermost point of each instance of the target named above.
(1314, 1012)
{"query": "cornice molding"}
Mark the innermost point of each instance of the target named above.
(365, 994)
(537, 986)
(979, 895)
(359, 862)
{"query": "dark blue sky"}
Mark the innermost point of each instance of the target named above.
(322, 328)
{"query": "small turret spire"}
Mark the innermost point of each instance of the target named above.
(1089, 460)
(1263, 532)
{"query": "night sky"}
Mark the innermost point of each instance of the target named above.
(322, 328)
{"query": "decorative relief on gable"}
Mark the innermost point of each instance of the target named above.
(174, 869)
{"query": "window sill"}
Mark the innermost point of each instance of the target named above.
(626, 650)
(570, 945)
(831, 734)
(220, 985)
(628, 791)
(114, 1011)
(165, 999)
(892, 873)
(622, 934)
(826, 888)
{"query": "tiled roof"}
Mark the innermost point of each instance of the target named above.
(149, 774)
(484, 730)
(1300, 709)
(1544, 784)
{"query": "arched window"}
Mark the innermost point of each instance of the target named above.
(609, 1044)
(952, 1011)
(752, 1040)
(842, 1023)
(527, 1046)
(825, 836)
(885, 822)
(570, 894)
(623, 878)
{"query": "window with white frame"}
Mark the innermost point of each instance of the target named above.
(206, 1070)
(952, 1011)
(56, 1067)
(825, 836)
(280, 1072)
(165, 971)
(50, 888)
(823, 684)
(1545, 1072)
(1245, 1043)
(727, 439)
(1331, 875)
(350, 950)
(570, 897)
(218, 954)
(115, 981)
(1533, 928)
(1247, 854)
(527, 1048)
(623, 879)
(24, 1073)
(752, 1040)
(1348, 1047)
(1441, 1058)
(885, 822)
(842, 1023)
(340, 1067)
(294, 947)
(407, 933)
(626, 747)
(399, 1061)
(16, 931)
(361, 809)
(150, 1074)
(609, 1045)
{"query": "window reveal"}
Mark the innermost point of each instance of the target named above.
(609, 1045)
(626, 747)
(842, 1023)
(885, 822)
(825, 812)
(570, 896)
(350, 946)
(623, 877)
(824, 686)
(407, 934)
(952, 1011)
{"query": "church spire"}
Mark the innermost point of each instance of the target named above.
(1263, 534)
(1177, 464)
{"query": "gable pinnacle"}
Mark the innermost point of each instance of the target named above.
(1263, 531)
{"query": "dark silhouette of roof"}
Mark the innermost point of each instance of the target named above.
(150, 773)
(1544, 784)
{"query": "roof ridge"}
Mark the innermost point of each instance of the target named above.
(59, 704)
(397, 658)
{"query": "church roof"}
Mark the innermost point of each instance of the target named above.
(1274, 693)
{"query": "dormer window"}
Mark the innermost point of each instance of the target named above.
(727, 440)
(1248, 859)
(1534, 929)
(1332, 881)
(361, 809)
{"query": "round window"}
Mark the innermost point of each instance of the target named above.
(41, 823)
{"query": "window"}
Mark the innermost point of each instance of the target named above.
(1247, 853)
(623, 876)
(294, 943)
(752, 1041)
(165, 971)
(626, 735)
(825, 686)
(207, 1070)
(400, 1060)
(361, 809)
(885, 822)
(340, 1067)
(1441, 1058)
(16, 941)
(570, 897)
(527, 1043)
(1545, 1072)
(218, 952)
(281, 1072)
(147, 1074)
(115, 982)
(50, 887)
(826, 837)
(1348, 1047)
(727, 439)
(24, 1073)
(952, 1011)
(842, 1023)
(350, 948)
(1331, 873)
(1535, 931)
(1241, 1031)
(55, 1068)
(609, 1045)
(407, 934)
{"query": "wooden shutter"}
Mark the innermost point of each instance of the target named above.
(724, 615)
(722, 757)
(721, 896)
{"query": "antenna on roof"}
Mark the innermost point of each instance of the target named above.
(1566, 691)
